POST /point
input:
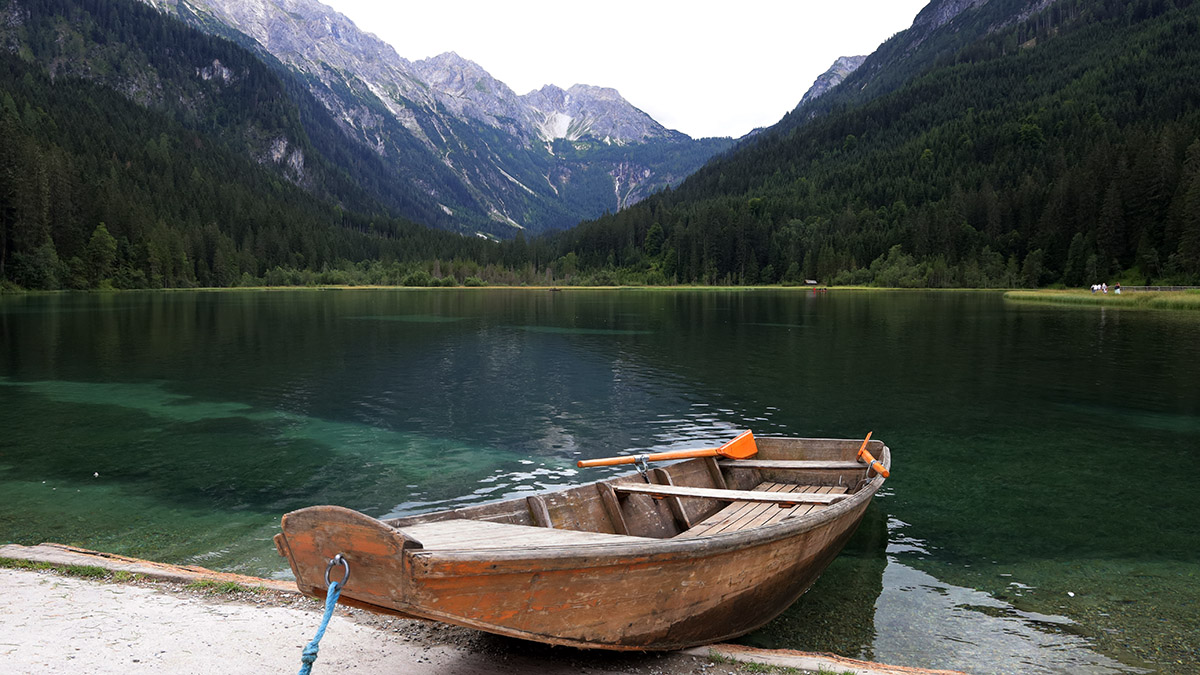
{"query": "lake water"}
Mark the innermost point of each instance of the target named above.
(1041, 517)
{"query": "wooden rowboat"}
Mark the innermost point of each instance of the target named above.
(692, 553)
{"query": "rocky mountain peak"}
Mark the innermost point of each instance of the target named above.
(450, 69)
(597, 93)
(586, 110)
(310, 36)
(831, 78)
(940, 12)
(466, 89)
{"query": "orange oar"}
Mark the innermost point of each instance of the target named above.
(870, 459)
(739, 448)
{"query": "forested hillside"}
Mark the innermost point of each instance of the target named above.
(1064, 148)
(1007, 147)
(138, 152)
(96, 190)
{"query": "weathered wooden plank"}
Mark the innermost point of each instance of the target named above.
(811, 508)
(729, 518)
(728, 495)
(724, 515)
(804, 509)
(751, 512)
(745, 515)
(695, 473)
(609, 499)
(479, 534)
(314, 535)
(577, 508)
(828, 449)
(768, 514)
(644, 515)
(799, 465)
(779, 514)
(538, 510)
(663, 477)
(714, 470)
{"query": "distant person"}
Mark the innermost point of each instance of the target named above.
(1095, 287)
(1117, 290)
(1105, 287)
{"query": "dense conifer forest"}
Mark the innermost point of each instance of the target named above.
(1061, 149)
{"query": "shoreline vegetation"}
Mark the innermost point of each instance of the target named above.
(1188, 299)
(1174, 300)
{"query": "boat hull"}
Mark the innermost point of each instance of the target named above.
(642, 602)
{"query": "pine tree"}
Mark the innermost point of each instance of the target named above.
(1189, 236)
(1110, 231)
(101, 252)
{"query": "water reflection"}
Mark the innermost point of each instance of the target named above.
(919, 619)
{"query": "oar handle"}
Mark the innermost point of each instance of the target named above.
(656, 457)
(869, 459)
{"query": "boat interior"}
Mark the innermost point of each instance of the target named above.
(696, 498)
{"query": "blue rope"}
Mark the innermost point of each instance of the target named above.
(310, 652)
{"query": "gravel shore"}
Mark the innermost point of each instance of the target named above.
(52, 623)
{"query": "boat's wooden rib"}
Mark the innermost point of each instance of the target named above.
(538, 511)
(606, 565)
(786, 499)
(663, 477)
(608, 497)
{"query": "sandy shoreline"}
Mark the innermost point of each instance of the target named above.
(159, 619)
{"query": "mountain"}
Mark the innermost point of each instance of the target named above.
(138, 152)
(598, 112)
(831, 78)
(474, 155)
(940, 29)
(995, 143)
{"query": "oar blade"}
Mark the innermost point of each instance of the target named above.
(742, 447)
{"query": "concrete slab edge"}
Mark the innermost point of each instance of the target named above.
(61, 554)
(810, 661)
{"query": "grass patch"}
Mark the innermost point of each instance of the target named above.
(81, 571)
(1172, 300)
(753, 667)
(221, 587)
(13, 563)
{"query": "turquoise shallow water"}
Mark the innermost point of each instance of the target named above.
(1040, 518)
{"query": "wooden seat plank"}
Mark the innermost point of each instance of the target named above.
(798, 465)
(727, 495)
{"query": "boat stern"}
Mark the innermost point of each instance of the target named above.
(373, 550)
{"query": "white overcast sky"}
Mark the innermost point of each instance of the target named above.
(703, 68)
